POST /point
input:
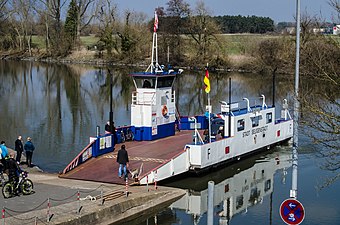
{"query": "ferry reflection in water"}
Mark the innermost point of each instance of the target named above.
(237, 187)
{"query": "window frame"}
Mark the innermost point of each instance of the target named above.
(241, 127)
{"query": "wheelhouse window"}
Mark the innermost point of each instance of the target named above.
(269, 117)
(165, 82)
(240, 125)
(255, 121)
(143, 82)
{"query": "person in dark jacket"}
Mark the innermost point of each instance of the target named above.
(29, 148)
(19, 148)
(13, 169)
(123, 160)
(108, 130)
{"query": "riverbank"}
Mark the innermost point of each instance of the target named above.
(236, 63)
(57, 200)
(67, 201)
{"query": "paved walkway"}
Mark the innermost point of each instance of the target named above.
(99, 203)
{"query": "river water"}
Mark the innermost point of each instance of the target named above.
(59, 106)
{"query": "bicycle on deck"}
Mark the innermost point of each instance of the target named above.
(12, 188)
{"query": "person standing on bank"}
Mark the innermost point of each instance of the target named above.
(19, 148)
(4, 153)
(29, 148)
(123, 160)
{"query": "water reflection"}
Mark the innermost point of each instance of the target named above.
(59, 106)
(237, 188)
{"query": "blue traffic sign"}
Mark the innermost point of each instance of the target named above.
(292, 211)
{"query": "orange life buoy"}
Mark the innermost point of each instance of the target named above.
(164, 110)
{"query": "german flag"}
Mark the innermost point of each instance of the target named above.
(206, 81)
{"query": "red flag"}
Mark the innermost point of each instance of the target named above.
(155, 25)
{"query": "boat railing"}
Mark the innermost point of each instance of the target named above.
(98, 146)
(285, 115)
(79, 159)
(248, 105)
(168, 168)
(143, 98)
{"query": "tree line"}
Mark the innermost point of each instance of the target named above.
(245, 24)
(21, 20)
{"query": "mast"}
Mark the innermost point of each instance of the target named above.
(154, 67)
(207, 90)
(229, 116)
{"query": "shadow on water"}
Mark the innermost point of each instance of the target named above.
(59, 106)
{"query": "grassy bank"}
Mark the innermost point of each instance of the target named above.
(235, 44)
(237, 50)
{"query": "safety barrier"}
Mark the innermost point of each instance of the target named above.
(16, 215)
(99, 146)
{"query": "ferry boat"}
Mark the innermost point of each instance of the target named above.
(166, 144)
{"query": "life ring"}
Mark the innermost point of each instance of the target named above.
(164, 111)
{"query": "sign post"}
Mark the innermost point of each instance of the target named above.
(292, 211)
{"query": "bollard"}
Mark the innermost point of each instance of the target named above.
(3, 216)
(210, 213)
(126, 187)
(101, 196)
(156, 180)
(98, 131)
(48, 209)
(78, 200)
(147, 183)
(155, 219)
(35, 221)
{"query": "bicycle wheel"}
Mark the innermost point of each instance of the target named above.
(26, 186)
(7, 190)
(2, 179)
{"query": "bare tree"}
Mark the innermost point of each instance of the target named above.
(84, 17)
(22, 20)
(320, 101)
(107, 16)
(335, 4)
(134, 37)
(203, 29)
(3, 9)
(51, 11)
(177, 12)
(274, 55)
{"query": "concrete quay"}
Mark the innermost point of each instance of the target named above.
(67, 201)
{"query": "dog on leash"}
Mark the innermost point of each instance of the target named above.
(136, 173)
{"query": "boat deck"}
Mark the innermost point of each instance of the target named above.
(151, 153)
